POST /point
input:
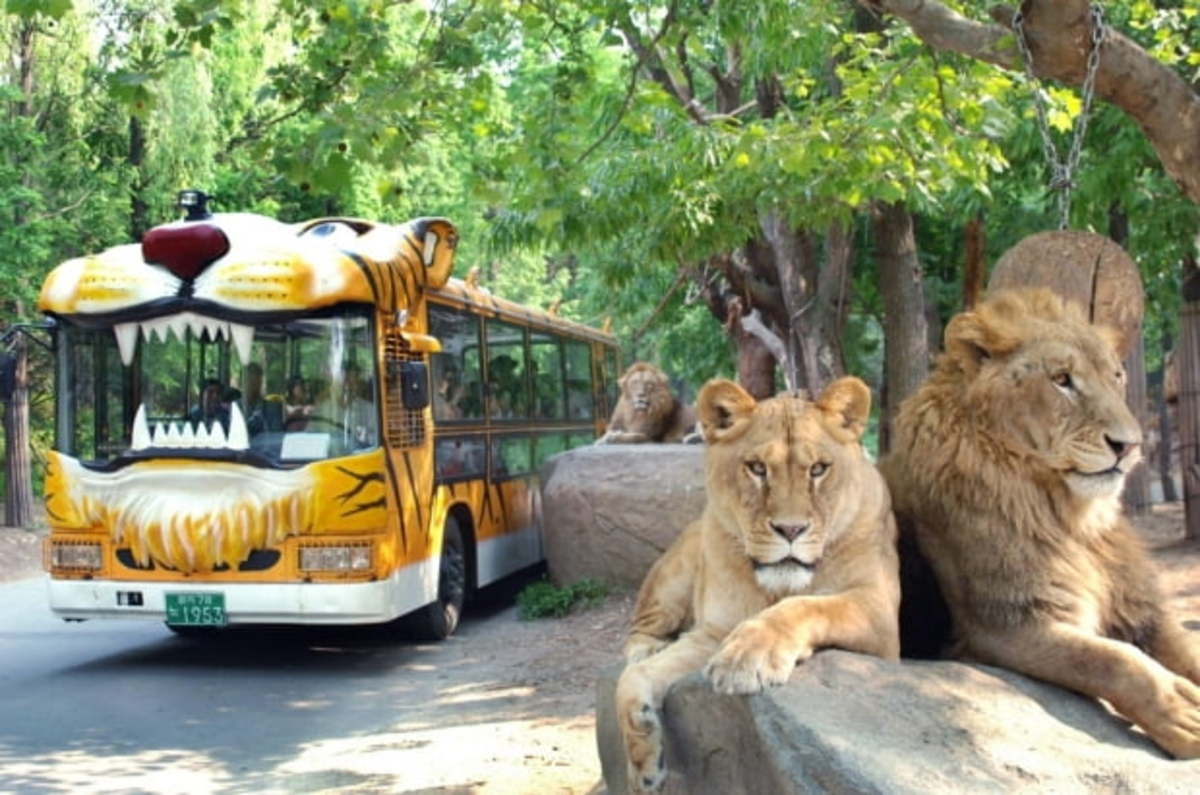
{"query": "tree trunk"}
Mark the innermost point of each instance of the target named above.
(906, 351)
(1188, 362)
(1162, 103)
(1166, 436)
(1137, 485)
(975, 267)
(138, 223)
(755, 366)
(18, 501)
(814, 300)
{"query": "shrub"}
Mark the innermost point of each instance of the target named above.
(543, 599)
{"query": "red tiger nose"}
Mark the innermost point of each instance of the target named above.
(184, 249)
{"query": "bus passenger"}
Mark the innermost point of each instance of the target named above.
(210, 407)
(358, 418)
(297, 406)
(253, 402)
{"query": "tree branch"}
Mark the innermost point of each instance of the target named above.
(1159, 100)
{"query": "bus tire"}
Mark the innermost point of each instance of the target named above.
(438, 619)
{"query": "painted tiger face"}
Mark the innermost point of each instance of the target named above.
(167, 344)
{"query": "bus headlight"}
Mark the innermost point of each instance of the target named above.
(75, 555)
(352, 557)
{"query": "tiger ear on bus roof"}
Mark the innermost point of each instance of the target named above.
(436, 239)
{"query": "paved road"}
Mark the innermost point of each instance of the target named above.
(127, 706)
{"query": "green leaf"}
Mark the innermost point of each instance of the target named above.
(27, 9)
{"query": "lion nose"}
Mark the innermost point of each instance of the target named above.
(790, 531)
(1120, 447)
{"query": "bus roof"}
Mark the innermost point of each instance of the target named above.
(478, 299)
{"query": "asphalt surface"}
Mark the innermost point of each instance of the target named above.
(504, 706)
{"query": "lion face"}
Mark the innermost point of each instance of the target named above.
(1049, 386)
(646, 388)
(785, 471)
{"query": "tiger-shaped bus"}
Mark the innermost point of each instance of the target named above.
(309, 423)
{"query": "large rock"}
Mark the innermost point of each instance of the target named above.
(610, 510)
(848, 723)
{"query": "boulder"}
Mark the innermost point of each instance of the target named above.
(848, 723)
(609, 511)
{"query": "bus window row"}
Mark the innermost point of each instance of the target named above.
(491, 369)
(465, 457)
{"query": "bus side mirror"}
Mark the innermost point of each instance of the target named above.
(8, 376)
(414, 385)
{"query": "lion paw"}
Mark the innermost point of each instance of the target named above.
(752, 658)
(647, 771)
(640, 646)
(1177, 728)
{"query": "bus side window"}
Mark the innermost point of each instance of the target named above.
(579, 381)
(508, 390)
(547, 371)
(457, 376)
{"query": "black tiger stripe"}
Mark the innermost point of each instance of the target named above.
(420, 255)
(503, 507)
(390, 269)
(486, 509)
(412, 484)
(396, 492)
(365, 267)
(50, 511)
(400, 274)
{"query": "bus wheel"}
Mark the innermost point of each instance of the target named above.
(438, 620)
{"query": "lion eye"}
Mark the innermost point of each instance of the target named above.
(757, 468)
(818, 469)
(1062, 380)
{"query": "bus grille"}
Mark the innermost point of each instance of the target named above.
(405, 427)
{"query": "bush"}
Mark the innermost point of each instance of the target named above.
(543, 599)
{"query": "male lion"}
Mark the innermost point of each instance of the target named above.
(795, 551)
(1008, 465)
(646, 410)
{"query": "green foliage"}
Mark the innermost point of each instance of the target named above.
(570, 171)
(543, 599)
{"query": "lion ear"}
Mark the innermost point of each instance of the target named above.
(970, 339)
(847, 401)
(724, 410)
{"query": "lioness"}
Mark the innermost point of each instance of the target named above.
(646, 410)
(795, 551)
(1009, 463)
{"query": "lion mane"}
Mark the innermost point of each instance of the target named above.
(1007, 466)
(795, 551)
(646, 410)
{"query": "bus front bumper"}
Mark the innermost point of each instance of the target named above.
(254, 603)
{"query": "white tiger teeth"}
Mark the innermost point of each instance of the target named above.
(141, 431)
(182, 436)
(180, 324)
(127, 334)
(243, 338)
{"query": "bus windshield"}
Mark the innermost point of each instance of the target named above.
(277, 393)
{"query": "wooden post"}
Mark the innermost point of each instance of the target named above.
(1188, 362)
(18, 502)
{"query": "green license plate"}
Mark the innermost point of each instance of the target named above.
(196, 609)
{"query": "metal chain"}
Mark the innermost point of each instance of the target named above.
(1062, 170)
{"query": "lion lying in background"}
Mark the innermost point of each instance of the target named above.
(795, 551)
(647, 411)
(1009, 463)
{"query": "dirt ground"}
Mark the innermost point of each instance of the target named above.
(558, 660)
